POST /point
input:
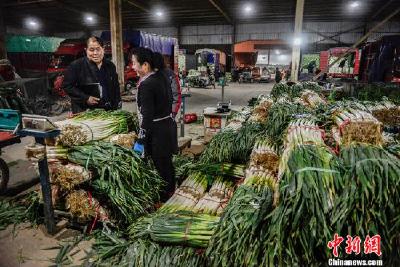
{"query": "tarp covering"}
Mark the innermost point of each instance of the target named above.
(32, 44)
(157, 43)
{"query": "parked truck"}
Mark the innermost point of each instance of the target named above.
(347, 67)
(380, 61)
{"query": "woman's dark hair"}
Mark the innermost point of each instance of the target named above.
(95, 39)
(143, 55)
(158, 60)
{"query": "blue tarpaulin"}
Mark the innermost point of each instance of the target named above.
(157, 43)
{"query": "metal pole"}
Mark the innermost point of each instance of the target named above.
(3, 52)
(182, 117)
(223, 90)
(116, 39)
(296, 47)
(46, 192)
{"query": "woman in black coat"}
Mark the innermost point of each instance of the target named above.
(154, 100)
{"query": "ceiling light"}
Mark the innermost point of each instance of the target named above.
(354, 4)
(32, 23)
(90, 19)
(297, 41)
(248, 8)
(159, 13)
(277, 52)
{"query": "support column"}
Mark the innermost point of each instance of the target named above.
(116, 39)
(233, 47)
(297, 34)
(3, 51)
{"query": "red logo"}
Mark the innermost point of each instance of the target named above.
(335, 243)
(353, 245)
(373, 245)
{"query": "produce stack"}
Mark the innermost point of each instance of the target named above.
(94, 172)
(236, 239)
(260, 111)
(180, 228)
(386, 112)
(92, 126)
(187, 195)
(312, 99)
(354, 125)
(281, 215)
(264, 157)
(216, 199)
(300, 132)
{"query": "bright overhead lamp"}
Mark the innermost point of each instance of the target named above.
(277, 52)
(32, 23)
(89, 19)
(297, 41)
(354, 4)
(248, 8)
(159, 13)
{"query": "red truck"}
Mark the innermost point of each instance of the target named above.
(347, 67)
(72, 49)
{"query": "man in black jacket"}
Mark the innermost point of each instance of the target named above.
(92, 81)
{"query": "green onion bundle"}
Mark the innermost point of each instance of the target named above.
(183, 228)
(216, 199)
(264, 156)
(300, 224)
(261, 110)
(385, 112)
(69, 176)
(185, 166)
(312, 99)
(370, 201)
(188, 194)
(144, 253)
(236, 241)
(56, 153)
(179, 228)
(124, 177)
(280, 115)
(280, 89)
(232, 146)
(92, 126)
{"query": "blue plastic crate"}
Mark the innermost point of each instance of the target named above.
(9, 119)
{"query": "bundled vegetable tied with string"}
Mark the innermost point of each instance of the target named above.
(125, 179)
(236, 240)
(300, 224)
(370, 201)
(94, 125)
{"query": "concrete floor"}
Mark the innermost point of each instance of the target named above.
(26, 249)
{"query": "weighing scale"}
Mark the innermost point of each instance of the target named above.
(41, 127)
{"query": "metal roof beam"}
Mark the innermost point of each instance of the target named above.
(138, 5)
(226, 16)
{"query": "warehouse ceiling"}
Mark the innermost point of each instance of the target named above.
(71, 15)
